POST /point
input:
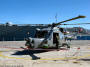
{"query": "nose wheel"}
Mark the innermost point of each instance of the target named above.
(65, 45)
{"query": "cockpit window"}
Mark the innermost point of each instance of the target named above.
(41, 34)
(62, 30)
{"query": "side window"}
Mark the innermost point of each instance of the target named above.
(41, 34)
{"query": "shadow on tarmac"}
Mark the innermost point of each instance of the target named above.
(30, 52)
(85, 59)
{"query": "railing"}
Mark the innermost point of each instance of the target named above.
(25, 24)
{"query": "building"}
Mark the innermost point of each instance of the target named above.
(18, 32)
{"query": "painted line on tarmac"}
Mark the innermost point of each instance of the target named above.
(11, 48)
(35, 49)
(88, 48)
(65, 58)
(28, 59)
(1, 55)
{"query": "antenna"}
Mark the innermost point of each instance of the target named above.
(56, 18)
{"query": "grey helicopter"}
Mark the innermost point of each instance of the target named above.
(51, 37)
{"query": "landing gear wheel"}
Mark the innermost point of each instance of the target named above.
(66, 45)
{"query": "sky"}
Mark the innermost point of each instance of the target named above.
(44, 11)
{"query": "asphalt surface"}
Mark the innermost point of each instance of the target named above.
(12, 54)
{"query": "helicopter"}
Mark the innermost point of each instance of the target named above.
(51, 37)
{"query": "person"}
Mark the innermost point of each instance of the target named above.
(28, 43)
(57, 41)
(66, 38)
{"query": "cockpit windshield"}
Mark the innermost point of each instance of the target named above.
(41, 34)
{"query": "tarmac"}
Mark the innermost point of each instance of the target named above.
(14, 54)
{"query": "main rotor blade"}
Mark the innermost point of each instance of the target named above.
(59, 23)
(76, 24)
